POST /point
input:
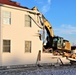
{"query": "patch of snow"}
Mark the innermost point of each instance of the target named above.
(42, 71)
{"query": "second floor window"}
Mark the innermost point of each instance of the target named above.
(6, 17)
(27, 21)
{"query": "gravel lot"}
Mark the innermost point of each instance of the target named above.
(41, 71)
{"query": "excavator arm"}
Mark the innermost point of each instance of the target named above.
(48, 26)
(45, 23)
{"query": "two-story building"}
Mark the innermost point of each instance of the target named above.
(19, 34)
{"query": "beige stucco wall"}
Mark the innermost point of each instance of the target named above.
(18, 33)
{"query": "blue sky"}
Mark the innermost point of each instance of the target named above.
(60, 13)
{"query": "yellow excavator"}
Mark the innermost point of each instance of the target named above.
(59, 45)
(53, 41)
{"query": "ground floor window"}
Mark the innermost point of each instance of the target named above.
(28, 46)
(6, 45)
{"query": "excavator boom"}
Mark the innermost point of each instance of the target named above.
(48, 26)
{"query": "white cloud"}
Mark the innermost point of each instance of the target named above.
(49, 1)
(45, 5)
(68, 26)
(66, 29)
(45, 9)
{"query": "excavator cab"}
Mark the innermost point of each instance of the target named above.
(60, 43)
(57, 42)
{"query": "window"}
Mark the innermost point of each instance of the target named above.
(6, 45)
(6, 17)
(27, 21)
(28, 46)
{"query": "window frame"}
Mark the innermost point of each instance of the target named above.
(4, 16)
(30, 49)
(29, 21)
(8, 46)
